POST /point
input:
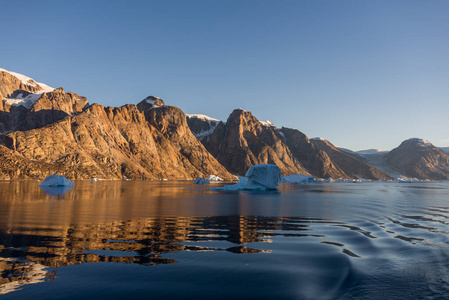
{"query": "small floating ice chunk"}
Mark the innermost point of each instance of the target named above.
(214, 178)
(298, 179)
(55, 180)
(258, 177)
(95, 179)
(200, 180)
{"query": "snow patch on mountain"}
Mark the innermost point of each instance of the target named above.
(420, 142)
(318, 139)
(211, 121)
(26, 101)
(202, 117)
(267, 123)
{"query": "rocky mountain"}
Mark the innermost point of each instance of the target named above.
(418, 158)
(243, 141)
(350, 164)
(315, 161)
(445, 149)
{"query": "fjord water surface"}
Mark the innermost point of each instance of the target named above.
(176, 240)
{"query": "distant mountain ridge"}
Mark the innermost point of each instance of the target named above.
(45, 130)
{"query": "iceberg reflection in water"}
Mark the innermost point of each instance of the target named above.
(172, 240)
(56, 191)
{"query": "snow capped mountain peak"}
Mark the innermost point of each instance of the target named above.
(318, 139)
(26, 98)
(418, 141)
(29, 81)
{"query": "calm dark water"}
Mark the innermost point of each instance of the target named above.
(175, 240)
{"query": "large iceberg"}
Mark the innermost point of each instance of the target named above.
(258, 177)
(298, 179)
(55, 180)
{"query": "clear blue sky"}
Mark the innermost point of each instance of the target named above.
(363, 74)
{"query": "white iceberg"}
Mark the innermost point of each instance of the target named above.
(258, 177)
(200, 180)
(214, 178)
(298, 179)
(55, 180)
(95, 179)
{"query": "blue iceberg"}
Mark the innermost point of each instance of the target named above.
(55, 180)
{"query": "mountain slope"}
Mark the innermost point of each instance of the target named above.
(420, 159)
(351, 165)
(315, 161)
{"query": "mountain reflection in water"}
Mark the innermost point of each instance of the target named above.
(319, 241)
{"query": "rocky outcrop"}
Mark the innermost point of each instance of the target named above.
(420, 159)
(49, 108)
(114, 143)
(350, 165)
(244, 141)
(150, 102)
(315, 161)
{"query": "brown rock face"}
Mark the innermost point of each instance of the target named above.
(52, 107)
(244, 142)
(315, 161)
(49, 108)
(350, 165)
(113, 143)
(418, 159)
